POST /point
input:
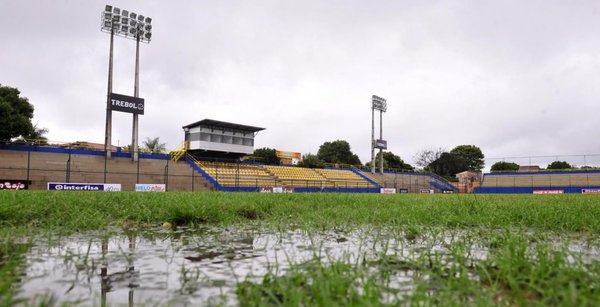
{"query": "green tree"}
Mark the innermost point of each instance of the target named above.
(472, 155)
(337, 152)
(154, 145)
(390, 160)
(559, 165)
(266, 155)
(15, 114)
(504, 166)
(448, 165)
(311, 161)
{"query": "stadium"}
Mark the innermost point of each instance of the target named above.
(213, 156)
(238, 211)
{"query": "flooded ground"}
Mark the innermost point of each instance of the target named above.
(203, 266)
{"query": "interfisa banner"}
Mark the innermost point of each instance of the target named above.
(150, 187)
(64, 186)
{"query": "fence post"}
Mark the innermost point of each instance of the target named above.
(28, 163)
(105, 166)
(137, 178)
(68, 170)
(166, 176)
(193, 171)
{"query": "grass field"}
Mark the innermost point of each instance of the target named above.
(462, 249)
(81, 210)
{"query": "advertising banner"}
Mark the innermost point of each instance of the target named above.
(590, 191)
(127, 104)
(403, 191)
(150, 187)
(14, 184)
(427, 191)
(381, 144)
(548, 191)
(388, 191)
(64, 186)
(276, 190)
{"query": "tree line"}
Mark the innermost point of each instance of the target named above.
(438, 161)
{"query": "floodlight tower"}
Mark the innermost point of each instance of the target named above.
(377, 103)
(130, 25)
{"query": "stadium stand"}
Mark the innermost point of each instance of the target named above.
(298, 176)
(344, 178)
(528, 182)
(257, 175)
(238, 174)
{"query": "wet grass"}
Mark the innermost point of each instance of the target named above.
(11, 266)
(523, 263)
(84, 210)
(516, 272)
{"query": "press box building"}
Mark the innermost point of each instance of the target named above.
(210, 138)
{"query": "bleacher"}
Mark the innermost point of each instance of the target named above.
(238, 174)
(255, 175)
(298, 176)
(344, 178)
(527, 182)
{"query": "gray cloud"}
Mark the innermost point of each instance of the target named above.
(515, 78)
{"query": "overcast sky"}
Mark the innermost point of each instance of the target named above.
(516, 78)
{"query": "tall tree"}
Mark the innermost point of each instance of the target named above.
(311, 161)
(472, 156)
(390, 160)
(15, 114)
(337, 152)
(154, 145)
(448, 165)
(267, 155)
(505, 166)
(559, 165)
(424, 157)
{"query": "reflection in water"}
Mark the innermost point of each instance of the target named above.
(202, 266)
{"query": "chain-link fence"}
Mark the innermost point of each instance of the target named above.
(39, 165)
(582, 161)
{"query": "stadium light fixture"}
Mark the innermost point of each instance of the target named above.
(134, 26)
(126, 24)
(380, 104)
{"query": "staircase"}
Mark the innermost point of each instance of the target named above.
(442, 184)
(177, 154)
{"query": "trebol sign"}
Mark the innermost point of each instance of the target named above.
(381, 144)
(65, 186)
(127, 104)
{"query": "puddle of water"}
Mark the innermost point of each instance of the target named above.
(202, 266)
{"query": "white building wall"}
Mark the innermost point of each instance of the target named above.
(221, 147)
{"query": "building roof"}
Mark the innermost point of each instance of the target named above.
(217, 123)
(529, 168)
